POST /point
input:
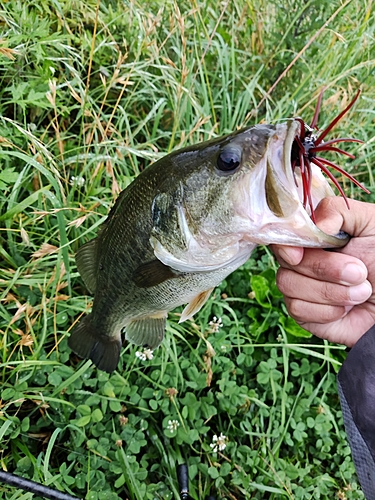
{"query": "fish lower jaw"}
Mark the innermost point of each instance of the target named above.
(295, 230)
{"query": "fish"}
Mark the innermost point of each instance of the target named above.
(187, 222)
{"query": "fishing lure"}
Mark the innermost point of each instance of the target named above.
(308, 145)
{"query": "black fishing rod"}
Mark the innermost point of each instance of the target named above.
(47, 492)
(183, 482)
(33, 487)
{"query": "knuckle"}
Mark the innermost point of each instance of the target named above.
(327, 203)
(319, 269)
(334, 294)
(326, 269)
(329, 314)
(330, 204)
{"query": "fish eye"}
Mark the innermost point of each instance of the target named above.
(229, 159)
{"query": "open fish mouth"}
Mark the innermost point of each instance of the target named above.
(305, 179)
(307, 146)
(305, 172)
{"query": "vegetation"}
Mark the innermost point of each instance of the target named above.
(91, 92)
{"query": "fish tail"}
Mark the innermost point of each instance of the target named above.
(87, 342)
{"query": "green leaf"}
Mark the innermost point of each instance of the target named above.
(8, 393)
(54, 379)
(8, 175)
(135, 446)
(193, 435)
(241, 358)
(190, 399)
(108, 390)
(120, 481)
(148, 393)
(69, 480)
(24, 464)
(263, 377)
(261, 288)
(153, 404)
(83, 421)
(293, 328)
(25, 425)
(97, 415)
(84, 409)
(93, 400)
(115, 406)
(213, 472)
(225, 469)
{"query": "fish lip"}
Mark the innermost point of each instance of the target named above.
(339, 240)
(293, 129)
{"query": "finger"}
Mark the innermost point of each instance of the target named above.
(329, 266)
(303, 288)
(305, 312)
(288, 255)
(334, 332)
(332, 214)
(346, 330)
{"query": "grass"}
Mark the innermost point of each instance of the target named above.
(91, 93)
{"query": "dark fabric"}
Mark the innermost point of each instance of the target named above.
(356, 382)
(364, 463)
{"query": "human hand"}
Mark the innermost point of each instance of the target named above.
(332, 294)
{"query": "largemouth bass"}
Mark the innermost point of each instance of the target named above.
(183, 225)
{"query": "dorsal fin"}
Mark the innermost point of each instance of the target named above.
(87, 265)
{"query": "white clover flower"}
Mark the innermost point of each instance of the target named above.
(172, 425)
(145, 354)
(77, 181)
(215, 324)
(148, 353)
(141, 355)
(219, 443)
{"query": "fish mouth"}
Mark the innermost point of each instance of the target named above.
(287, 191)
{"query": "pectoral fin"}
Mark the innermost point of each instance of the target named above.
(147, 331)
(153, 273)
(195, 305)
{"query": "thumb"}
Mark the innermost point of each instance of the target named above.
(332, 215)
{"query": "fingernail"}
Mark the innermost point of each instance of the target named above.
(361, 292)
(352, 273)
